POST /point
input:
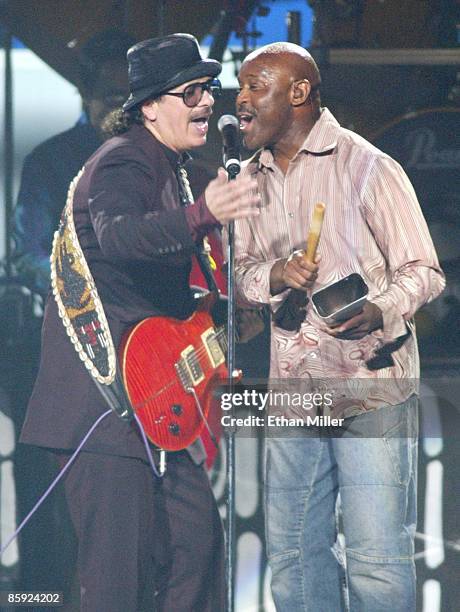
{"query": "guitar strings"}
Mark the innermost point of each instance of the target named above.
(202, 350)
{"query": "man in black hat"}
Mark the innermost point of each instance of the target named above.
(138, 227)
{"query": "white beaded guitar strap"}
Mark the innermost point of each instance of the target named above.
(81, 310)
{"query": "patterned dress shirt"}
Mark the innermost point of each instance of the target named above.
(374, 226)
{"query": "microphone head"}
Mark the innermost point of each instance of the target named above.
(227, 120)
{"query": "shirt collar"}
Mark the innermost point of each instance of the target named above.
(174, 158)
(321, 139)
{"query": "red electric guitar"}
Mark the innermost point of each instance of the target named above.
(170, 368)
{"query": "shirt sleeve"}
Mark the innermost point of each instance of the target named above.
(200, 219)
(252, 270)
(33, 227)
(395, 218)
(128, 225)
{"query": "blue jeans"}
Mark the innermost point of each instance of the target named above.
(376, 479)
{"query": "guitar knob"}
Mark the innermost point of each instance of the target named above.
(174, 429)
(176, 409)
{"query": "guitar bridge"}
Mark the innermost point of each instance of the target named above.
(213, 348)
(189, 369)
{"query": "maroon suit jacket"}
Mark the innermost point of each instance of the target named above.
(138, 242)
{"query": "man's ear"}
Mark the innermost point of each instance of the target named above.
(149, 110)
(300, 92)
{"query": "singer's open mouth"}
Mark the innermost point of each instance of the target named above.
(245, 120)
(200, 120)
(201, 123)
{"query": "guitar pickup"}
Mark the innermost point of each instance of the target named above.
(213, 348)
(189, 368)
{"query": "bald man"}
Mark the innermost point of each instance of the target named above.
(364, 368)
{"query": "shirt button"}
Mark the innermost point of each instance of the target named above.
(291, 215)
(313, 355)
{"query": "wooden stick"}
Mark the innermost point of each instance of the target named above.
(315, 231)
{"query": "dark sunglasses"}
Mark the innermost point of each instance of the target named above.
(193, 93)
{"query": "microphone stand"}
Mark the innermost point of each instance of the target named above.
(230, 435)
(229, 127)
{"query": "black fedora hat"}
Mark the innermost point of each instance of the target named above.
(160, 64)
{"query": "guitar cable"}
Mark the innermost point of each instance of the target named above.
(157, 473)
(203, 417)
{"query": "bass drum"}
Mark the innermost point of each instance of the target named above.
(427, 145)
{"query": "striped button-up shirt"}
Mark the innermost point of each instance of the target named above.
(373, 225)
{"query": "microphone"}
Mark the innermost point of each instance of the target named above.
(229, 127)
